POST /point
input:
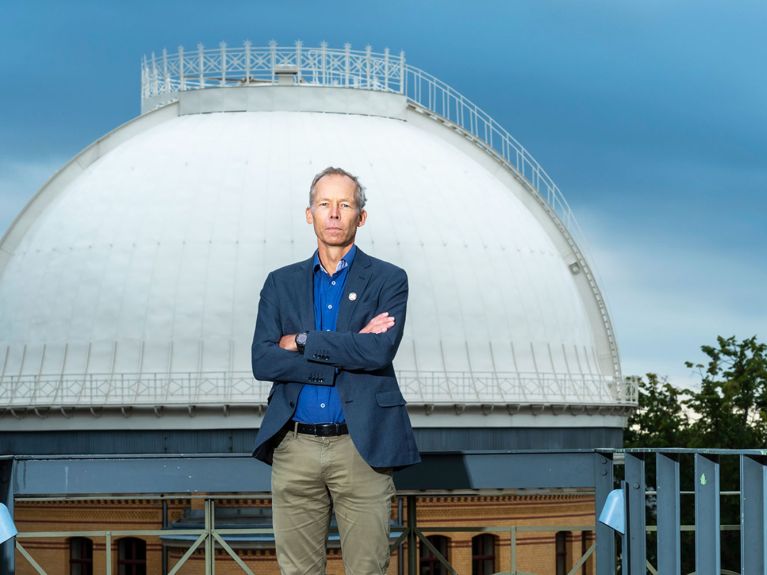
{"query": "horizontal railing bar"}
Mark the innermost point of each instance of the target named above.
(727, 493)
(495, 528)
(654, 528)
(104, 532)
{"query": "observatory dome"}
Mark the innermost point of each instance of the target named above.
(129, 284)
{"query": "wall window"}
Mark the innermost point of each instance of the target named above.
(429, 563)
(80, 556)
(483, 554)
(562, 560)
(131, 556)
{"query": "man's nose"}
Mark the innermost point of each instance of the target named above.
(335, 211)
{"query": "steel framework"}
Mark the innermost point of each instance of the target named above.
(645, 495)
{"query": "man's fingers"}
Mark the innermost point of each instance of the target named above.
(379, 324)
(288, 342)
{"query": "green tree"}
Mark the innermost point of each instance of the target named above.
(660, 420)
(731, 407)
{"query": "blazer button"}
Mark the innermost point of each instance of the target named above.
(292, 404)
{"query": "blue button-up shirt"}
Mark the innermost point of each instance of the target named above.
(321, 403)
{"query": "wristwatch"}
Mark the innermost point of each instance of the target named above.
(301, 340)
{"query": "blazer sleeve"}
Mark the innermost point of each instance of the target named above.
(272, 363)
(364, 351)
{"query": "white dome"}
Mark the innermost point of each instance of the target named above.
(132, 278)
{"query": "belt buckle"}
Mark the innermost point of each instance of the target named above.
(327, 430)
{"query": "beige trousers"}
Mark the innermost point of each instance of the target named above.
(309, 476)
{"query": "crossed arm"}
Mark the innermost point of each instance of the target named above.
(276, 358)
(379, 324)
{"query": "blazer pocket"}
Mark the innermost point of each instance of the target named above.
(390, 398)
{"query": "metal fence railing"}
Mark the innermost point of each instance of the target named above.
(650, 542)
(95, 390)
(164, 76)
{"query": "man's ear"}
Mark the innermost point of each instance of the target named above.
(363, 218)
(309, 218)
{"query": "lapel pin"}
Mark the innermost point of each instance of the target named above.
(352, 296)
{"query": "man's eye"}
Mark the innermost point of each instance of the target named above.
(346, 205)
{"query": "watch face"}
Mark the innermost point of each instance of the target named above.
(301, 339)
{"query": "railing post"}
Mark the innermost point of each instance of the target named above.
(605, 543)
(412, 537)
(667, 508)
(155, 76)
(386, 69)
(273, 57)
(324, 63)
(144, 78)
(299, 65)
(368, 72)
(347, 63)
(108, 550)
(210, 548)
(402, 75)
(201, 60)
(753, 514)
(247, 61)
(165, 74)
(181, 77)
(707, 546)
(637, 529)
(222, 48)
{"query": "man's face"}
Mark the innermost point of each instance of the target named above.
(334, 213)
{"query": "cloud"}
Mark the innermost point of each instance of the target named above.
(667, 298)
(20, 179)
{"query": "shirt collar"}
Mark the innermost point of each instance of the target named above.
(346, 261)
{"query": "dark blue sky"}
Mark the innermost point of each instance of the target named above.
(651, 116)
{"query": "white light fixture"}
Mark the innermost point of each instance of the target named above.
(7, 526)
(614, 511)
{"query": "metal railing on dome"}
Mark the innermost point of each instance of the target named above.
(435, 388)
(164, 76)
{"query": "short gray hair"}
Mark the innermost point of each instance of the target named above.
(359, 191)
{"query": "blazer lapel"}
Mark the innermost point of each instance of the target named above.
(305, 285)
(356, 282)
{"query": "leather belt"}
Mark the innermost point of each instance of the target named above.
(319, 429)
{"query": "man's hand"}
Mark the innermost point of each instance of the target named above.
(288, 342)
(379, 324)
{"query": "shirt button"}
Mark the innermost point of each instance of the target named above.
(330, 306)
(327, 330)
(322, 405)
(333, 283)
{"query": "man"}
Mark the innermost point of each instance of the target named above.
(336, 423)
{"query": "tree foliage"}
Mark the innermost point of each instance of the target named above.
(732, 401)
(728, 411)
(660, 420)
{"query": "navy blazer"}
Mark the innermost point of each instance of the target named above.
(372, 402)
